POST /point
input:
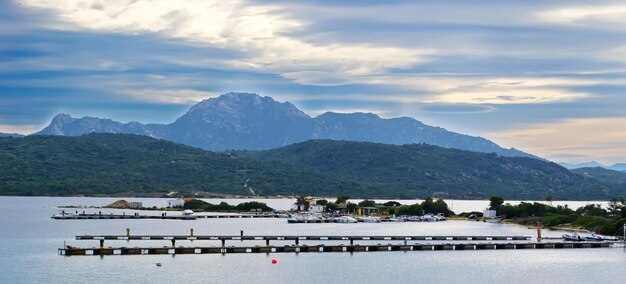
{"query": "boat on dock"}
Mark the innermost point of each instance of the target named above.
(572, 238)
(369, 219)
(594, 238)
(345, 219)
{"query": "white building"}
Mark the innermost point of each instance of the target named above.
(297, 207)
(489, 213)
(176, 203)
(316, 208)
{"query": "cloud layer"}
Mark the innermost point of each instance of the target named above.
(483, 69)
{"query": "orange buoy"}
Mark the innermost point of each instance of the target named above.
(274, 261)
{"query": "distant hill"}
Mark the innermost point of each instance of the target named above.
(248, 121)
(424, 170)
(15, 135)
(604, 175)
(593, 164)
(110, 164)
(123, 164)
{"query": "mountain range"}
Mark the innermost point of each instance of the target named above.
(11, 135)
(123, 164)
(245, 121)
(593, 164)
(603, 175)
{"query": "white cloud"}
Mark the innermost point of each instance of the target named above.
(509, 96)
(602, 139)
(182, 96)
(20, 129)
(260, 31)
(592, 15)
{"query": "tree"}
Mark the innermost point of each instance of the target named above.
(549, 198)
(367, 203)
(412, 210)
(391, 204)
(342, 199)
(351, 207)
(495, 202)
(322, 202)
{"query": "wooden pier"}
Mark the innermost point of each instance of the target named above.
(71, 251)
(402, 244)
(161, 217)
(192, 237)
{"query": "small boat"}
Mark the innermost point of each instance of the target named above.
(413, 219)
(345, 219)
(429, 218)
(187, 212)
(593, 238)
(370, 219)
(497, 219)
(572, 238)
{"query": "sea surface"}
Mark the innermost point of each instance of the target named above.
(29, 240)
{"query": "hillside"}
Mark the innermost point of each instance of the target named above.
(246, 121)
(602, 174)
(424, 170)
(14, 135)
(123, 164)
(109, 164)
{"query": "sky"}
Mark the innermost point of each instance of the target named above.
(546, 77)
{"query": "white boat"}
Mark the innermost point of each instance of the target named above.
(345, 219)
(187, 212)
(370, 219)
(593, 238)
(572, 238)
(496, 219)
(306, 218)
(429, 218)
(413, 219)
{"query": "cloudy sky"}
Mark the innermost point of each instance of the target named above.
(547, 77)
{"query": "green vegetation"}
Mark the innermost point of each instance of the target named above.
(495, 202)
(199, 205)
(117, 164)
(417, 170)
(428, 206)
(131, 165)
(591, 217)
(604, 175)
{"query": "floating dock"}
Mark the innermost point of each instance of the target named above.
(462, 243)
(161, 217)
(328, 248)
(192, 237)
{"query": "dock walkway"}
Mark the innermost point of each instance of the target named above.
(329, 248)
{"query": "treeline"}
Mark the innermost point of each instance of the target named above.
(199, 205)
(592, 217)
(429, 205)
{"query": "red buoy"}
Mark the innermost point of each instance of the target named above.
(274, 261)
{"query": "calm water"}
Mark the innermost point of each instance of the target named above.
(29, 240)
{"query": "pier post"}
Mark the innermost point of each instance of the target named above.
(223, 242)
(539, 231)
(173, 243)
(267, 242)
(297, 241)
(191, 232)
(241, 235)
(128, 232)
(351, 241)
(101, 244)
